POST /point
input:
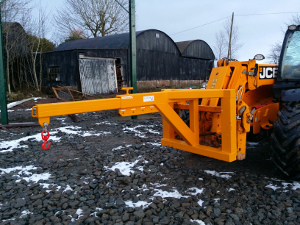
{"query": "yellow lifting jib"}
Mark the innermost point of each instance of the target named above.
(238, 96)
(169, 102)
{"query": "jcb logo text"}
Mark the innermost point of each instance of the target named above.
(268, 72)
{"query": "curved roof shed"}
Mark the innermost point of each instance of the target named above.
(117, 41)
(195, 49)
(158, 58)
(151, 39)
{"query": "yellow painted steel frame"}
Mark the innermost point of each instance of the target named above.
(164, 102)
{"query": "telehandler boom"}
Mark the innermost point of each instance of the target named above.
(213, 122)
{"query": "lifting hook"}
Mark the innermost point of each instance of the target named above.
(45, 136)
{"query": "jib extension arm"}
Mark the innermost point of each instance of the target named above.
(176, 132)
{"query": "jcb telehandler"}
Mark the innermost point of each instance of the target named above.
(239, 95)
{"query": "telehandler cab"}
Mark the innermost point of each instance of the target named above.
(239, 95)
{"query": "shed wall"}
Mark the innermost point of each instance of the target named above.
(198, 49)
(153, 65)
(156, 41)
(158, 58)
(194, 69)
(67, 62)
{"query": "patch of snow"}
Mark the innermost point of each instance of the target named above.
(153, 131)
(284, 186)
(230, 189)
(216, 199)
(79, 213)
(61, 118)
(24, 213)
(95, 213)
(252, 143)
(117, 148)
(75, 130)
(295, 185)
(200, 202)
(142, 204)
(45, 186)
(217, 174)
(274, 187)
(124, 167)
(8, 219)
(13, 104)
(69, 129)
(24, 173)
(68, 188)
(8, 146)
(141, 134)
(106, 123)
(134, 129)
(168, 194)
(158, 185)
(195, 191)
(155, 144)
(22, 170)
(36, 177)
(200, 222)
(99, 133)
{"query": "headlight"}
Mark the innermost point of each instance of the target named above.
(292, 27)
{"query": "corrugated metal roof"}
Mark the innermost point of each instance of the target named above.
(193, 48)
(117, 41)
(183, 45)
(196, 49)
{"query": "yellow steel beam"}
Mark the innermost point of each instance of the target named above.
(194, 118)
(164, 102)
(228, 122)
(211, 152)
(177, 123)
(44, 111)
(195, 93)
(213, 109)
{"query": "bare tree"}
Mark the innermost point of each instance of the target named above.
(75, 35)
(274, 54)
(295, 19)
(222, 41)
(94, 17)
(35, 41)
(220, 46)
(12, 11)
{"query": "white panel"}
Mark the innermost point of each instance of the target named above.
(98, 76)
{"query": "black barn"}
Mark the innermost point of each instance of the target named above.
(159, 59)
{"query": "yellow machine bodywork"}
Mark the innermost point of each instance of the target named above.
(238, 96)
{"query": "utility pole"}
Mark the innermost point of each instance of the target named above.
(132, 35)
(3, 100)
(230, 36)
(132, 44)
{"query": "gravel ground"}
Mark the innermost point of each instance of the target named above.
(111, 170)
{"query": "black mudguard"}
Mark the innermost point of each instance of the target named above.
(292, 95)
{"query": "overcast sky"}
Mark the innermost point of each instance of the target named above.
(261, 23)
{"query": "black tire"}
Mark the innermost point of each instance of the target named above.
(285, 140)
(185, 116)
